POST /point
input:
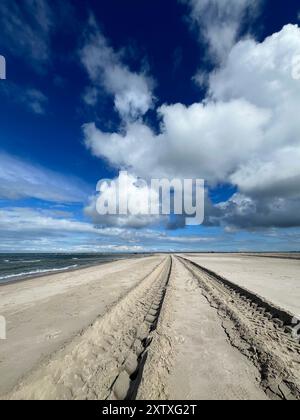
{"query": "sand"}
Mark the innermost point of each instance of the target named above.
(44, 313)
(276, 279)
(152, 328)
(204, 365)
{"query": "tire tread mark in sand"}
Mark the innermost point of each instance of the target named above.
(257, 328)
(127, 383)
(87, 368)
(279, 315)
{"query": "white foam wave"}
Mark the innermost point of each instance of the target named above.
(29, 273)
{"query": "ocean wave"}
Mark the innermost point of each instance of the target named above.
(29, 273)
(21, 261)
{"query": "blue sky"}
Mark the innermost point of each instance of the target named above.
(190, 88)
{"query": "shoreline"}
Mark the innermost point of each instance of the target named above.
(50, 273)
(68, 270)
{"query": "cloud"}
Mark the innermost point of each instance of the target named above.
(109, 248)
(245, 212)
(23, 219)
(190, 141)
(26, 27)
(41, 230)
(31, 99)
(261, 73)
(204, 139)
(20, 179)
(132, 91)
(245, 133)
(271, 176)
(220, 22)
(131, 191)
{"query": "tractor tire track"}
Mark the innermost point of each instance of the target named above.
(260, 330)
(106, 361)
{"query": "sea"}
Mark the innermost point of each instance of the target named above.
(14, 267)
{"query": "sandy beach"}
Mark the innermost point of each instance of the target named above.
(161, 327)
(276, 278)
(44, 313)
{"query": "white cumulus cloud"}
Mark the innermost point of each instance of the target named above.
(132, 91)
(219, 22)
(246, 132)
